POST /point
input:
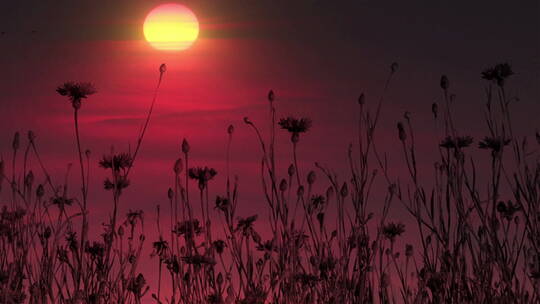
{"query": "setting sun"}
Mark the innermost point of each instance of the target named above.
(171, 27)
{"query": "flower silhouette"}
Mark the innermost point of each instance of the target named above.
(76, 91)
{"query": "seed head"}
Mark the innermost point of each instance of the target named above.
(170, 193)
(283, 185)
(444, 82)
(178, 166)
(29, 179)
(300, 191)
(271, 96)
(162, 68)
(498, 74)
(291, 170)
(361, 99)
(344, 190)
(185, 146)
(408, 250)
(230, 129)
(435, 109)
(391, 230)
(394, 67)
(329, 193)
(311, 177)
(401, 132)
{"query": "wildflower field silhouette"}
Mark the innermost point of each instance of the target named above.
(322, 237)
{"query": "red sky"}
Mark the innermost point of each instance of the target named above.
(318, 57)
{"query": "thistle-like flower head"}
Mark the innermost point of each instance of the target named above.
(76, 91)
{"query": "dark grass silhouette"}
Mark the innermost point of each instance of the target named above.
(479, 240)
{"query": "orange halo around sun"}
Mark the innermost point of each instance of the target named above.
(171, 27)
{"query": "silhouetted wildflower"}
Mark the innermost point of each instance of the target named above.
(202, 175)
(160, 248)
(61, 201)
(457, 142)
(76, 91)
(117, 162)
(295, 125)
(362, 99)
(267, 246)
(219, 246)
(254, 295)
(498, 74)
(496, 144)
(317, 203)
(507, 210)
(188, 228)
(245, 224)
(71, 239)
(136, 285)
(391, 230)
(134, 216)
(96, 250)
(172, 264)
(198, 260)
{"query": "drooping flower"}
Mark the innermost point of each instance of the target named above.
(76, 91)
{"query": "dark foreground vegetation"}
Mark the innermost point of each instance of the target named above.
(477, 227)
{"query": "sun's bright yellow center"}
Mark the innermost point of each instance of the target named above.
(171, 27)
